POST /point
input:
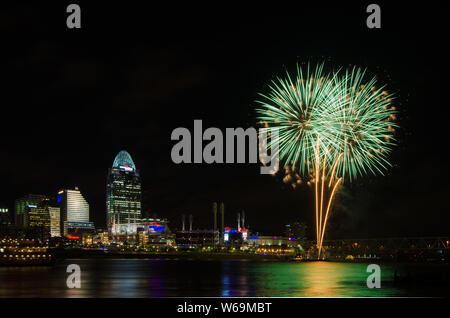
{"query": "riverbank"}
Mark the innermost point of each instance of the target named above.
(196, 255)
(87, 254)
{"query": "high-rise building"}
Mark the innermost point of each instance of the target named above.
(24, 205)
(123, 196)
(74, 212)
(39, 216)
(33, 213)
(55, 221)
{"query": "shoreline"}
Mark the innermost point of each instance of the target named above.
(173, 256)
(81, 254)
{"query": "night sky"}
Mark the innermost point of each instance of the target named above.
(72, 99)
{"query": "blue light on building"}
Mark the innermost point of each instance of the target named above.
(156, 228)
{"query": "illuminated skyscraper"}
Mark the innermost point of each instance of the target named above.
(33, 213)
(25, 210)
(74, 212)
(39, 217)
(123, 196)
(55, 221)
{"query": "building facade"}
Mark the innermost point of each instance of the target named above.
(74, 212)
(271, 241)
(23, 206)
(123, 196)
(39, 216)
(55, 221)
(5, 219)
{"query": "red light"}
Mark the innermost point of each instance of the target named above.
(244, 230)
(73, 237)
(227, 228)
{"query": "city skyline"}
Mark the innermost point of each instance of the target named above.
(221, 159)
(130, 93)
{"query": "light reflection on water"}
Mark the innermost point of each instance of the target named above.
(167, 278)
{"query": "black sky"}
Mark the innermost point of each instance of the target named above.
(72, 99)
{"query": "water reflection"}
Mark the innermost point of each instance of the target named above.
(234, 278)
(320, 279)
(311, 279)
(323, 279)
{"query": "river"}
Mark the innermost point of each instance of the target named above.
(222, 278)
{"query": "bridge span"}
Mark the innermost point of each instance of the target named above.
(393, 248)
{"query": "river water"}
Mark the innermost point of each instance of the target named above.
(224, 278)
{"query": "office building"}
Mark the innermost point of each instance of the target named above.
(23, 205)
(55, 221)
(123, 196)
(74, 212)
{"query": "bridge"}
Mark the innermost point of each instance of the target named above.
(394, 243)
(411, 248)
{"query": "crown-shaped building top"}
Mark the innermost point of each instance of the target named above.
(123, 161)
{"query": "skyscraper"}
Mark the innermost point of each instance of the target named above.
(123, 196)
(27, 204)
(39, 216)
(74, 212)
(55, 221)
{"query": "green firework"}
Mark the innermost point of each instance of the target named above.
(340, 113)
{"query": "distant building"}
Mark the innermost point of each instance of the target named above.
(154, 231)
(33, 214)
(271, 241)
(101, 237)
(23, 205)
(39, 216)
(55, 221)
(74, 212)
(123, 196)
(5, 218)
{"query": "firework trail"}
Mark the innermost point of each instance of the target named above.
(333, 127)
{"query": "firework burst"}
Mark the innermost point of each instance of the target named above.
(332, 127)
